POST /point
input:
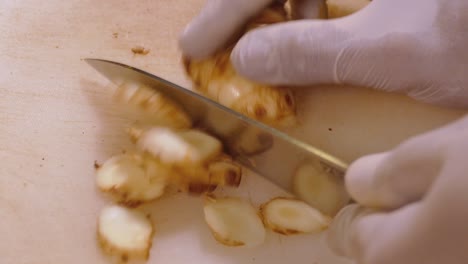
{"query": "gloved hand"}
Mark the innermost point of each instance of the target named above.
(418, 193)
(417, 47)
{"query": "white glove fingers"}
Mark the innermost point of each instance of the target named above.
(308, 9)
(393, 179)
(348, 50)
(300, 52)
(371, 237)
(216, 24)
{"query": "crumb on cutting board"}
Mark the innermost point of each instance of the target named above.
(140, 50)
(115, 35)
(96, 165)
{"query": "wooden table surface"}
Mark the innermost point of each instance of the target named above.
(56, 119)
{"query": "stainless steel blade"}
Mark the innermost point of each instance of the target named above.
(263, 149)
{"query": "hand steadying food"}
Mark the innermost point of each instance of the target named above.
(393, 45)
(415, 47)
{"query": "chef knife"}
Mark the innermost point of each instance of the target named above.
(261, 148)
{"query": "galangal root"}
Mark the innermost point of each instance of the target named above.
(216, 78)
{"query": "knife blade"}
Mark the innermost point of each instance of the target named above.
(260, 148)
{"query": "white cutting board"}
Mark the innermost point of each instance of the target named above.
(55, 121)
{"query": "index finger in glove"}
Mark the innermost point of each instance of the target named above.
(395, 178)
(216, 24)
(430, 231)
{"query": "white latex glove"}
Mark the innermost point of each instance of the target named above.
(417, 47)
(421, 192)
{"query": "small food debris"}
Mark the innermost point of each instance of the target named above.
(140, 50)
(97, 165)
(115, 35)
